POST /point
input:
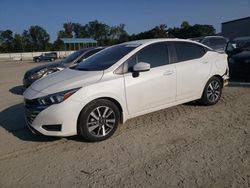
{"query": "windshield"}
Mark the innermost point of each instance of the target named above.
(238, 46)
(242, 44)
(105, 58)
(72, 56)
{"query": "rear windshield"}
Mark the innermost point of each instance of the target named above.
(105, 58)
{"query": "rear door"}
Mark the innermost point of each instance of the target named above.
(155, 87)
(192, 67)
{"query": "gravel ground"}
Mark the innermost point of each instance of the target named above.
(184, 146)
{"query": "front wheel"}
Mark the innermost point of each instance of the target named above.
(98, 120)
(212, 91)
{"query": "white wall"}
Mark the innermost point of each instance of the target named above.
(30, 55)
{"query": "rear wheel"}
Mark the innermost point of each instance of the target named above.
(212, 91)
(99, 120)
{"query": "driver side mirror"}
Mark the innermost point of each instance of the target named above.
(141, 67)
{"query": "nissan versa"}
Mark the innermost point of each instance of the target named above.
(122, 82)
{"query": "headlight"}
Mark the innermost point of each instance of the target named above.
(38, 74)
(56, 97)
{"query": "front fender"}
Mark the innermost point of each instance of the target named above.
(113, 89)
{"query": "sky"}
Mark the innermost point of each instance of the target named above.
(137, 15)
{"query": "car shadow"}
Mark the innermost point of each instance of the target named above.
(12, 120)
(193, 103)
(239, 84)
(17, 126)
(17, 90)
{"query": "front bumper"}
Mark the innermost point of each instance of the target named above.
(46, 119)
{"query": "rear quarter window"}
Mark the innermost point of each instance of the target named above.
(187, 51)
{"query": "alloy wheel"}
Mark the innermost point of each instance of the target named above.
(101, 121)
(213, 91)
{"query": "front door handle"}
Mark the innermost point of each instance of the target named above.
(167, 73)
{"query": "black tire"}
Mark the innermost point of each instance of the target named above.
(52, 59)
(37, 60)
(87, 121)
(212, 91)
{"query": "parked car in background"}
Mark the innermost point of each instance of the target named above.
(43, 70)
(217, 43)
(122, 82)
(46, 57)
(238, 52)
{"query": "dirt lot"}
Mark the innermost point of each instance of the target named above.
(183, 146)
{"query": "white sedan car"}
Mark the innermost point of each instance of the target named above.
(122, 82)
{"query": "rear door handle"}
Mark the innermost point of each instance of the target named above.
(167, 73)
(205, 62)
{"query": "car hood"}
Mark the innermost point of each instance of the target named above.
(40, 67)
(245, 55)
(61, 81)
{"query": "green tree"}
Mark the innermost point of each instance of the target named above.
(157, 32)
(18, 43)
(117, 34)
(40, 38)
(6, 41)
(98, 31)
(27, 41)
(203, 30)
(80, 31)
(189, 31)
(36, 39)
(185, 25)
(58, 45)
(68, 30)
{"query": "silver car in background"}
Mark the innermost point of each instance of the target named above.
(217, 43)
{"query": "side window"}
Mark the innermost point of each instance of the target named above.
(187, 51)
(90, 53)
(206, 42)
(156, 55)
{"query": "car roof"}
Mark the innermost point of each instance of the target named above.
(90, 49)
(150, 41)
(146, 41)
(207, 37)
(196, 38)
(242, 38)
(215, 37)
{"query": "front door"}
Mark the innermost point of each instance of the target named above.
(153, 88)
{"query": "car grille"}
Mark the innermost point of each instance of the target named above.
(32, 109)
